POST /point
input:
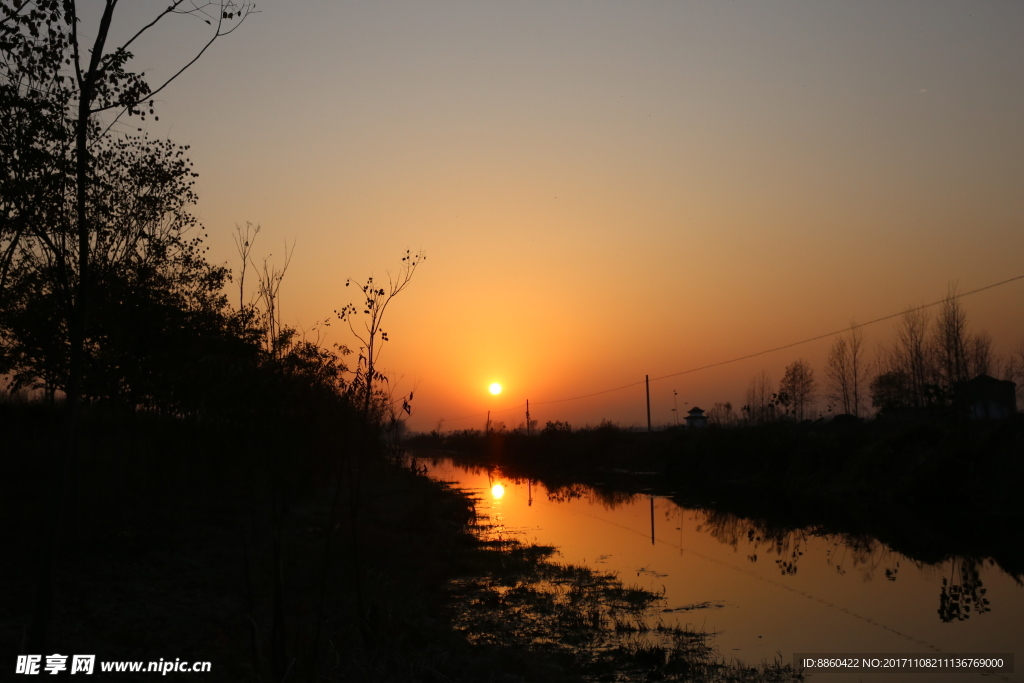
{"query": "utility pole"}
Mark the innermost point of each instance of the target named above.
(675, 403)
(487, 427)
(527, 417)
(647, 381)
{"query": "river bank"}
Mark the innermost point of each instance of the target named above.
(276, 556)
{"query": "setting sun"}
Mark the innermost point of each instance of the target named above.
(495, 388)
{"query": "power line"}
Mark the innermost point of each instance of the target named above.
(598, 393)
(759, 353)
(830, 334)
(784, 346)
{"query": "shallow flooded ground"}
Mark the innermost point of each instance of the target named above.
(765, 594)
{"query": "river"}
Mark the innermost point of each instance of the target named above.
(765, 594)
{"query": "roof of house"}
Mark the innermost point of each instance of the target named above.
(987, 380)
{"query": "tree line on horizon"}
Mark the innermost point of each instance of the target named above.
(916, 372)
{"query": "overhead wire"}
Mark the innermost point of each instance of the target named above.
(845, 329)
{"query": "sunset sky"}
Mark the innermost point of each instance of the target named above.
(606, 190)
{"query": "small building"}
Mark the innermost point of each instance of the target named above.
(986, 397)
(696, 418)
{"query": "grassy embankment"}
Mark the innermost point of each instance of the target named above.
(206, 544)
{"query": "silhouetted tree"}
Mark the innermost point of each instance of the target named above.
(143, 260)
(375, 303)
(761, 397)
(244, 242)
(61, 216)
(846, 371)
(980, 357)
(911, 355)
(556, 428)
(722, 415)
(891, 390)
(837, 372)
(277, 336)
(55, 88)
(34, 139)
(798, 385)
(1013, 370)
(951, 340)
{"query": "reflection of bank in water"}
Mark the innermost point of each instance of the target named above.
(577, 624)
(962, 591)
(722, 527)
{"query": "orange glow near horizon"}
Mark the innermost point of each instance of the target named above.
(772, 176)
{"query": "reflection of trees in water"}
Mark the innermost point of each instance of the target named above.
(962, 592)
(608, 498)
(439, 460)
(961, 595)
(867, 555)
(759, 538)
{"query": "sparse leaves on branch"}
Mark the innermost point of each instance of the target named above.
(376, 299)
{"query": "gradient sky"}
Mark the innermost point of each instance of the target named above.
(606, 190)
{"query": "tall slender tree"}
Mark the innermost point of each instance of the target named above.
(846, 371)
(798, 385)
(761, 396)
(911, 354)
(981, 359)
(376, 299)
(951, 340)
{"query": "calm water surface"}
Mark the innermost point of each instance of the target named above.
(765, 595)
